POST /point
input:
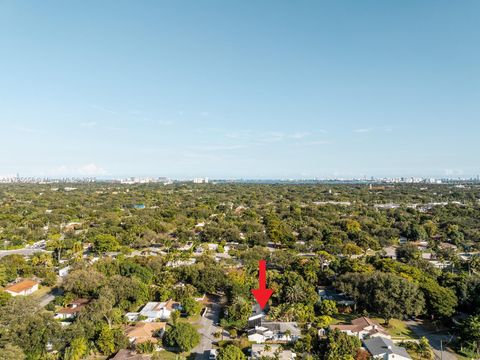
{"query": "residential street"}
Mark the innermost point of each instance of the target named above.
(50, 296)
(438, 340)
(46, 299)
(207, 330)
(23, 252)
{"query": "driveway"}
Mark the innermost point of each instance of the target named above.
(206, 330)
(438, 339)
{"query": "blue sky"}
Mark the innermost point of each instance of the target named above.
(229, 89)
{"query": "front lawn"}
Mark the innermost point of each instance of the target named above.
(397, 329)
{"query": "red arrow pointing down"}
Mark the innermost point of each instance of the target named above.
(262, 294)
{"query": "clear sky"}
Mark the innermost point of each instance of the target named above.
(229, 89)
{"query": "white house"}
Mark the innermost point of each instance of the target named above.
(274, 331)
(154, 311)
(24, 287)
(259, 335)
(177, 263)
(71, 310)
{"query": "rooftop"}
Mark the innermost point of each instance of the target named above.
(379, 345)
(21, 286)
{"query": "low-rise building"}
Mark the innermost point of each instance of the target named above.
(72, 310)
(24, 287)
(385, 349)
(154, 311)
(362, 328)
(274, 331)
(390, 252)
(142, 332)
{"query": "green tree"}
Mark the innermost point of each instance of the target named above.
(191, 306)
(104, 243)
(182, 335)
(105, 341)
(328, 307)
(174, 316)
(4, 297)
(83, 282)
(238, 312)
(340, 346)
(146, 347)
(77, 349)
(388, 295)
(470, 334)
(350, 249)
(11, 352)
(441, 302)
(231, 352)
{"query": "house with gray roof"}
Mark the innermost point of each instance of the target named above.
(385, 349)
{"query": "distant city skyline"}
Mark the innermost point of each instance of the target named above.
(230, 90)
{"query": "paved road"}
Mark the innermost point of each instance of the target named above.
(207, 330)
(46, 299)
(49, 297)
(23, 252)
(438, 340)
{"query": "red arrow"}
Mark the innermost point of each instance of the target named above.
(262, 294)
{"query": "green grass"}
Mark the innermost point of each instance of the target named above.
(343, 318)
(191, 319)
(43, 290)
(169, 355)
(397, 328)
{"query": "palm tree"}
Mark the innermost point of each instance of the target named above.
(294, 294)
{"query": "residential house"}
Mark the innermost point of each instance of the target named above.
(142, 332)
(385, 349)
(440, 264)
(340, 299)
(447, 246)
(177, 263)
(362, 328)
(24, 287)
(275, 331)
(154, 311)
(427, 256)
(186, 247)
(259, 335)
(260, 351)
(72, 310)
(256, 318)
(390, 252)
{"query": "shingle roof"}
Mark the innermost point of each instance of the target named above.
(380, 345)
(283, 327)
(143, 331)
(360, 324)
